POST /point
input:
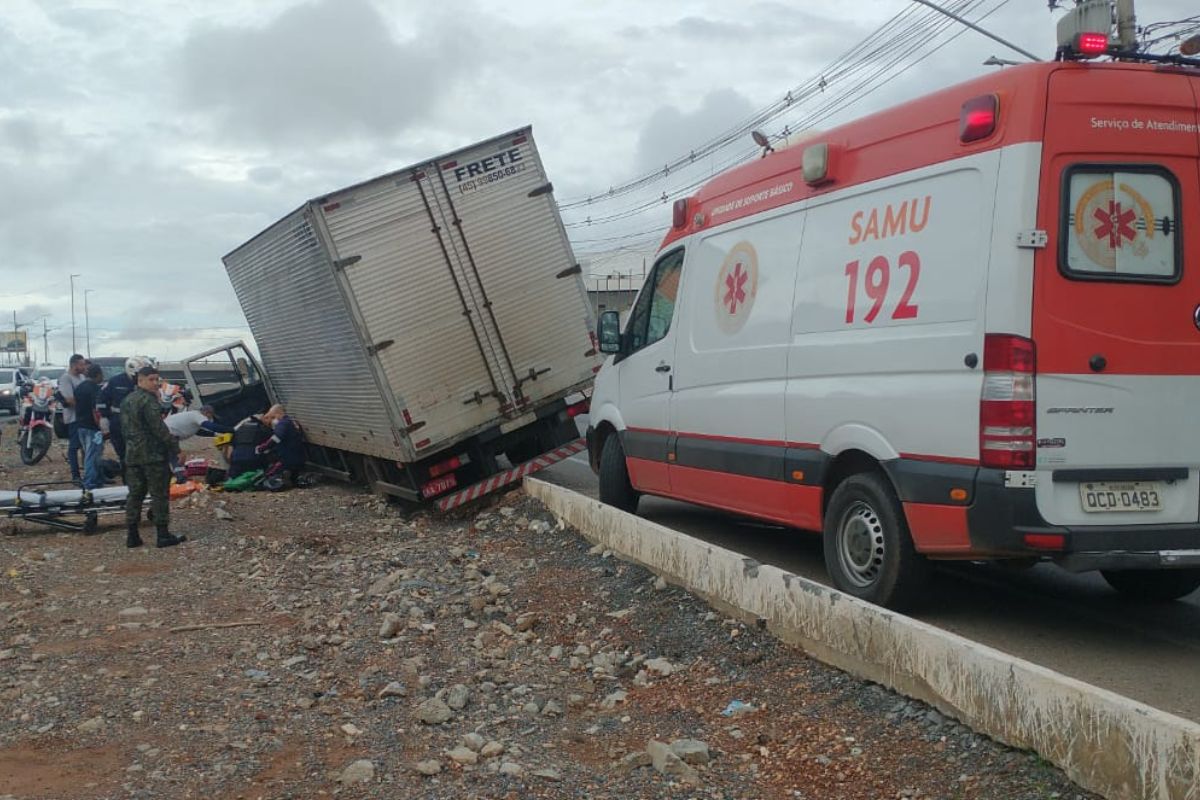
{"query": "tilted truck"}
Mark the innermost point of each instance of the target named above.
(429, 328)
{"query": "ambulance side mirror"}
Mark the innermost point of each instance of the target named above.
(608, 332)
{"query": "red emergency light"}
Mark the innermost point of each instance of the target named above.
(1091, 44)
(978, 118)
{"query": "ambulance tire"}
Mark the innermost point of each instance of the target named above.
(615, 488)
(1153, 585)
(869, 551)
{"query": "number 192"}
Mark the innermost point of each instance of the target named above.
(875, 286)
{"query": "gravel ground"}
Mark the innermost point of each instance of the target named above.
(495, 654)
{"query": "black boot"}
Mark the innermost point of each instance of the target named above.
(165, 539)
(132, 539)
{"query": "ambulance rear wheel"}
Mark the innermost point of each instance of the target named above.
(615, 488)
(869, 552)
(1153, 585)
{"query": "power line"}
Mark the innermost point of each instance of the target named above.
(818, 83)
(919, 34)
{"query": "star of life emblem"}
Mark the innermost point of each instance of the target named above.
(736, 288)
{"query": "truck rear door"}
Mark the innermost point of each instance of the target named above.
(1115, 301)
(498, 210)
(419, 317)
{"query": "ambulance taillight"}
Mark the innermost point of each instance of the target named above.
(1007, 406)
(978, 118)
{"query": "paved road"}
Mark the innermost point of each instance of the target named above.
(1070, 623)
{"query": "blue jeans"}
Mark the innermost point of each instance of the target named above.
(91, 442)
(73, 448)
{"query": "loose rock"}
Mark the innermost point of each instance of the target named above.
(361, 771)
(434, 712)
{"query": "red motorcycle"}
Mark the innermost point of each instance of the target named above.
(38, 408)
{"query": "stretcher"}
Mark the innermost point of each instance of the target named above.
(42, 504)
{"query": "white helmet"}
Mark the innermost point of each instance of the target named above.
(134, 363)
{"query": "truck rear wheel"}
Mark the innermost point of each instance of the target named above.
(869, 552)
(615, 488)
(1153, 585)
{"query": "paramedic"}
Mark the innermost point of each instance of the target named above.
(114, 392)
(148, 447)
(287, 442)
(249, 434)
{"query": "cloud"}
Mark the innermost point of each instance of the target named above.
(266, 175)
(670, 132)
(317, 72)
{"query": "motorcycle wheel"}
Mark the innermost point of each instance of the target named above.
(35, 446)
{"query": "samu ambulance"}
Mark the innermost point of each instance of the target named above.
(964, 328)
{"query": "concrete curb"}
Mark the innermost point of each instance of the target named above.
(1106, 743)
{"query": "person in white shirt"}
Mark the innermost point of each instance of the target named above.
(67, 382)
(186, 424)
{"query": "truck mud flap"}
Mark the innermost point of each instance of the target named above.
(500, 480)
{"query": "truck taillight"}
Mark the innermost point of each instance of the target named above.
(582, 407)
(449, 465)
(1008, 405)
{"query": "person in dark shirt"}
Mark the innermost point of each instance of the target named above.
(248, 436)
(287, 440)
(87, 425)
(112, 394)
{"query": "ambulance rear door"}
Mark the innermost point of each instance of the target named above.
(1115, 301)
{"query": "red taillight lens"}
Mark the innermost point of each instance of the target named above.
(1046, 541)
(978, 118)
(1092, 44)
(1003, 353)
(1007, 405)
(449, 465)
(581, 407)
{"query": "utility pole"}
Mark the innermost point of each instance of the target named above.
(17, 330)
(978, 29)
(87, 322)
(74, 346)
(1126, 25)
(45, 341)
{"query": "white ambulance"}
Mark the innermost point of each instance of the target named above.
(964, 328)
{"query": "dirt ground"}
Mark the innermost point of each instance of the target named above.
(322, 643)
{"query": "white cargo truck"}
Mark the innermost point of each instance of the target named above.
(429, 328)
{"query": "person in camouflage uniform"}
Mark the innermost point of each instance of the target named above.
(148, 446)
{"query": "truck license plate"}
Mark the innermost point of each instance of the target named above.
(1104, 496)
(439, 485)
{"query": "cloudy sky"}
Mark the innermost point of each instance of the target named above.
(141, 140)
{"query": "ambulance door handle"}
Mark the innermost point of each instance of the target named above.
(663, 368)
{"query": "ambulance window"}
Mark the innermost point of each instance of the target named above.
(1120, 223)
(651, 317)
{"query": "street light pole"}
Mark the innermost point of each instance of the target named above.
(45, 341)
(74, 345)
(87, 322)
